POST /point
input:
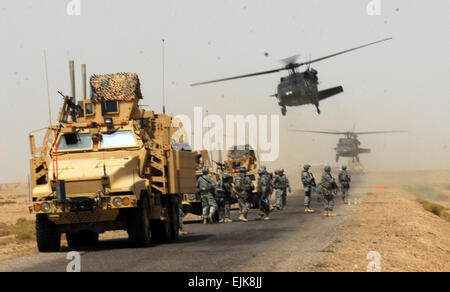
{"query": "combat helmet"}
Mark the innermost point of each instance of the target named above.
(205, 170)
(327, 169)
(344, 167)
(307, 166)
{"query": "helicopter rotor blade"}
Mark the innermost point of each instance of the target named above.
(319, 132)
(240, 76)
(342, 52)
(378, 132)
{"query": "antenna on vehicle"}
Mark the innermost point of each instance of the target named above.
(83, 80)
(48, 90)
(72, 79)
(163, 77)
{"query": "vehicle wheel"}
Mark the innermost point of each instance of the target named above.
(47, 236)
(138, 223)
(174, 220)
(160, 231)
(81, 239)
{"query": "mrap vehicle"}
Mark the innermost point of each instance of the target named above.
(108, 165)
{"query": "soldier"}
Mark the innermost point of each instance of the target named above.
(328, 189)
(244, 187)
(281, 183)
(207, 188)
(344, 180)
(265, 189)
(224, 192)
(308, 183)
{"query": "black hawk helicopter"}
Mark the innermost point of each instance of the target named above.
(298, 88)
(349, 146)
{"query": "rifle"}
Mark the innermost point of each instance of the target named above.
(76, 110)
(222, 166)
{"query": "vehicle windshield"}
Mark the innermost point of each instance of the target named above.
(74, 142)
(118, 139)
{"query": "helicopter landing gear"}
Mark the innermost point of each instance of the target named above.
(318, 109)
(283, 110)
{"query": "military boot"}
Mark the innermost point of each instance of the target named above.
(205, 221)
(228, 220)
(310, 210)
(346, 201)
(182, 232)
(242, 218)
(266, 218)
(325, 213)
(331, 214)
(221, 220)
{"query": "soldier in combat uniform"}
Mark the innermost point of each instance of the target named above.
(344, 180)
(207, 188)
(281, 183)
(265, 189)
(224, 192)
(308, 183)
(329, 189)
(244, 187)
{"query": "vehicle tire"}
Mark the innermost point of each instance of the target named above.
(81, 239)
(174, 220)
(160, 230)
(48, 238)
(138, 223)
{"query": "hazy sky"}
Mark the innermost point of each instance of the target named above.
(401, 84)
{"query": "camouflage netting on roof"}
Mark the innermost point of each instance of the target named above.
(119, 86)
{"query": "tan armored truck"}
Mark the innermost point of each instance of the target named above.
(192, 203)
(243, 156)
(108, 165)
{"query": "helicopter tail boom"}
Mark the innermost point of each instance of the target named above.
(330, 92)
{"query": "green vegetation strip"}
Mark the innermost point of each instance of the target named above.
(436, 209)
(23, 230)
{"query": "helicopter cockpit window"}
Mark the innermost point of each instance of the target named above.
(74, 142)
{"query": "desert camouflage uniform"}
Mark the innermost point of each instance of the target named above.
(328, 189)
(308, 184)
(207, 188)
(224, 191)
(344, 180)
(265, 189)
(281, 183)
(244, 187)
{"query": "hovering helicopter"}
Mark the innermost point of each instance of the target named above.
(349, 146)
(298, 88)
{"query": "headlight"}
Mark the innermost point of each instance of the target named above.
(45, 207)
(117, 202)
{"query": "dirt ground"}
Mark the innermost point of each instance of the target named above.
(394, 224)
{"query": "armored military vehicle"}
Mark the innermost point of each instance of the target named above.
(243, 155)
(108, 165)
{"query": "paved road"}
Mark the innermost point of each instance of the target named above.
(288, 242)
